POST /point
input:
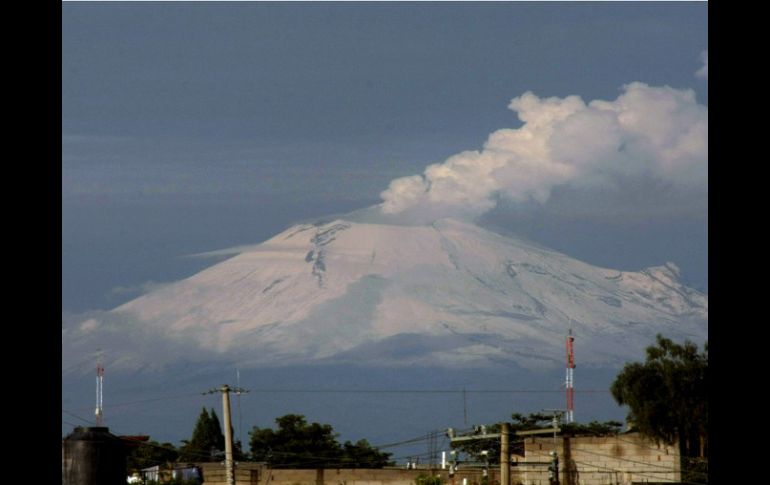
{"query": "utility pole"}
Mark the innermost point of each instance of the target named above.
(229, 471)
(229, 464)
(505, 445)
(553, 468)
(505, 454)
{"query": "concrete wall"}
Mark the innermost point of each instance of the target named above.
(615, 460)
(255, 474)
(245, 473)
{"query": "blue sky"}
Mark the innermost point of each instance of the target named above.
(190, 127)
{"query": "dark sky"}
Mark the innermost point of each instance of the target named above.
(190, 127)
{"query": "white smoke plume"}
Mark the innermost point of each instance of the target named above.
(657, 132)
(703, 72)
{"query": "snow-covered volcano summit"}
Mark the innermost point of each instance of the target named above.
(450, 293)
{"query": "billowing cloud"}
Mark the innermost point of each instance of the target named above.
(703, 72)
(129, 343)
(649, 132)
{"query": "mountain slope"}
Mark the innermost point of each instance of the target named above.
(450, 294)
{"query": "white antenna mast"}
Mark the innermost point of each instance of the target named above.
(569, 382)
(99, 387)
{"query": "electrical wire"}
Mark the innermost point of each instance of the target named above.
(78, 417)
(595, 465)
(154, 399)
(191, 451)
(426, 391)
(581, 450)
(418, 439)
(321, 458)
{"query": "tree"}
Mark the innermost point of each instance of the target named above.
(667, 395)
(594, 428)
(145, 455)
(215, 431)
(297, 444)
(520, 422)
(206, 440)
(361, 455)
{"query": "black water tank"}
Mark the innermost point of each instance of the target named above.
(93, 456)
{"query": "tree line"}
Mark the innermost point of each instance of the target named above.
(294, 444)
(666, 396)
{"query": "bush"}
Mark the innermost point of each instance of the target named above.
(423, 479)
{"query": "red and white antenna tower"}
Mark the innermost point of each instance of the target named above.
(99, 388)
(570, 417)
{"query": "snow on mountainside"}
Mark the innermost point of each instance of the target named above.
(450, 294)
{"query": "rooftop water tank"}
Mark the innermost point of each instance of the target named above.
(93, 456)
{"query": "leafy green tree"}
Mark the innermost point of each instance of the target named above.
(206, 441)
(667, 395)
(361, 455)
(520, 422)
(238, 453)
(145, 455)
(594, 428)
(297, 444)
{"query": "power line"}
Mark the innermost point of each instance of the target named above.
(424, 391)
(648, 474)
(70, 423)
(618, 458)
(595, 465)
(624, 459)
(78, 417)
(639, 462)
(86, 360)
(155, 399)
(647, 446)
(417, 439)
(192, 451)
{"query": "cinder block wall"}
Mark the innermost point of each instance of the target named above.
(620, 460)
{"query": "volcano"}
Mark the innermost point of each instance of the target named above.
(449, 294)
